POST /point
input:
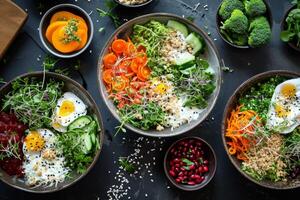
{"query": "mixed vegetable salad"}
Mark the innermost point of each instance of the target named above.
(45, 133)
(158, 76)
(263, 130)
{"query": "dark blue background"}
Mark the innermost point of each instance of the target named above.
(26, 54)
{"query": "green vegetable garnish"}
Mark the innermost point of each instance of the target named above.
(258, 98)
(33, 101)
(126, 165)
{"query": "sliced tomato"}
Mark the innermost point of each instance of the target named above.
(108, 76)
(130, 50)
(144, 72)
(119, 46)
(119, 83)
(134, 65)
(109, 60)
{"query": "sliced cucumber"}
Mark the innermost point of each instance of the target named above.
(80, 122)
(194, 41)
(189, 70)
(91, 128)
(87, 143)
(184, 58)
(93, 138)
(178, 27)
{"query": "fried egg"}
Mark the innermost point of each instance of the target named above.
(284, 111)
(44, 163)
(69, 107)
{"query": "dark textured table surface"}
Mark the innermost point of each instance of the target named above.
(150, 182)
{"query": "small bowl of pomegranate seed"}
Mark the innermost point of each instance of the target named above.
(190, 163)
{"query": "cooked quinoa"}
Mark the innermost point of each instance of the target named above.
(265, 160)
(132, 2)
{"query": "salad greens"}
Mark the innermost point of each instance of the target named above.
(258, 98)
(33, 101)
(292, 149)
(143, 116)
(196, 83)
(79, 146)
(151, 36)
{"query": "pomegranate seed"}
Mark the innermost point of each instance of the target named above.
(192, 167)
(178, 180)
(191, 183)
(205, 169)
(172, 173)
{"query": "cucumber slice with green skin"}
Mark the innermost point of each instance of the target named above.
(178, 27)
(87, 143)
(80, 122)
(184, 58)
(91, 128)
(93, 138)
(195, 42)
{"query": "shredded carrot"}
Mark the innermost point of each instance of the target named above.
(240, 131)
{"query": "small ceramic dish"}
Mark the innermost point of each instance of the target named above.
(283, 27)
(232, 103)
(190, 163)
(219, 24)
(147, 2)
(45, 21)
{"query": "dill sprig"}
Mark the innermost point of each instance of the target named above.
(126, 165)
(109, 13)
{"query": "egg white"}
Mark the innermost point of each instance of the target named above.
(39, 170)
(287, 123)
(60, 123)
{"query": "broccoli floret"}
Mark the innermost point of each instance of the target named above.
(255, 8)
(240, 40)
(228, 6)
(237, 23)
(260, 32)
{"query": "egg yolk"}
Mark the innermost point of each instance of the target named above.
(34, 141)
(67, 107)
(288, 90)
(161, 88)
(281, 111)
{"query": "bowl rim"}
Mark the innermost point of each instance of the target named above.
(218, 22)
(199, 185)
(282, 25)
(57, 53)
(246, 85)
(134, 5)
(186, 22)
(97, 113)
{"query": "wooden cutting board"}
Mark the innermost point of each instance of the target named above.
(12, 18)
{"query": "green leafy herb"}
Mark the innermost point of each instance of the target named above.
(33, 101)
(70, 31)
(187, 161)
(72, 145)
(152, 35)
(49, 62)
(143, 116)
(291, 149)
(258, 98)
(110, 5)
(2, 81)
(126, 165)
(196, 82)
